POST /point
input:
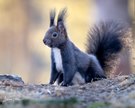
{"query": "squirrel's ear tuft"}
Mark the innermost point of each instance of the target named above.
(62, 15)
(52, 17)
(60, 21)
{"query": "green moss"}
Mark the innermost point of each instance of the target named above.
(26, 102)
(54, 103)
(99, 105)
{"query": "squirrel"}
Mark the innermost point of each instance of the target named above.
(105, 42)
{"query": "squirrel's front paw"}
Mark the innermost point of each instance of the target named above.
(64, 84)
(51, 82)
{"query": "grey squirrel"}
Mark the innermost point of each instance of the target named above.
(105, 42)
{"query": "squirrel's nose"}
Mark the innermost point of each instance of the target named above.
(46, 41)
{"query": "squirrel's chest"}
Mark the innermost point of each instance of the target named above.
(58, 59)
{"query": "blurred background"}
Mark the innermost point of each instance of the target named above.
(23, 24)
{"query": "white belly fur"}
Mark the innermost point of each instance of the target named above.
(58, 59)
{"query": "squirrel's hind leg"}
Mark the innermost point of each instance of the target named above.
(94, 71)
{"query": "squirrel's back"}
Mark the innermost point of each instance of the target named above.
(106, 40)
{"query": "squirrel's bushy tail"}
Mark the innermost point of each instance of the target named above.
(106, 40)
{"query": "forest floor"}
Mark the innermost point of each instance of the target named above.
(118, 92)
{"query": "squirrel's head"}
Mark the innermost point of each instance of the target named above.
(56, 35)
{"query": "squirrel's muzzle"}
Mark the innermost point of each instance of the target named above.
(46, 41)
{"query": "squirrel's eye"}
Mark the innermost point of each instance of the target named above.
(55, 34)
